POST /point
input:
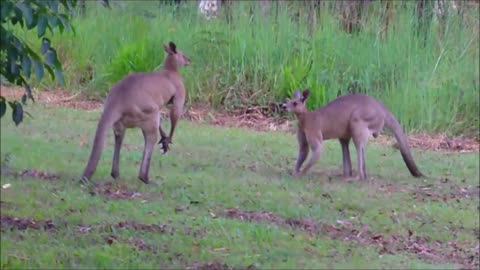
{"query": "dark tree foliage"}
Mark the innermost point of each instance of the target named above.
(17, 59)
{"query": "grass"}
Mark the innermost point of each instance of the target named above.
(261, 58)
(210, 169)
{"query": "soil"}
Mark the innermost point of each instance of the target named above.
(256, 118)
(132, 225)
(112, 190)
(9, 222)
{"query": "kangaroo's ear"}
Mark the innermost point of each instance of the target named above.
(297, 94)
(166, 48)
(173, 47)
(305, 94)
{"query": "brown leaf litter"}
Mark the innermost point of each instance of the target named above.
(216, 265)
(33, 173)
(136, 243)
(129, 225)
(444, 192)
(12, 223)
(113, 190)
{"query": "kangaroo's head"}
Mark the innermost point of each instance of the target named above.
(297, 103)
(175, 58)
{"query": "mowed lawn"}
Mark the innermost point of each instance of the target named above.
(223, 198)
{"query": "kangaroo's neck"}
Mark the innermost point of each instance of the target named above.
(170, 64)
(309, 120)
(302, 118)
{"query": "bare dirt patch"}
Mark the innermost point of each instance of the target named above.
(216, 265)
(113, 190)
(450, 252)
(15, 223)
(260, 118)
(442, 189)
(31, 173)
(9, 222)
(444, 192)
(131, 225)
(136, 243)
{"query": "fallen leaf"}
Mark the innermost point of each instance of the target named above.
(181, 208)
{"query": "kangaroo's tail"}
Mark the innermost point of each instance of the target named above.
(397, 130)
(106, 121)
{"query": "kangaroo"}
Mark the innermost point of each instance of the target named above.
(135, 102)
(353, 116)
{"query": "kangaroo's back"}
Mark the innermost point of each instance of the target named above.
(347, 103)
(335, 118)
(144, 88)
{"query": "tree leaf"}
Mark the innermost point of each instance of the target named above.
(50, 71)
(42, 25)
(17, 114)
(24, 99)
(14, 68)
(27, 12)
(26, 65)
(50, 57)
(28, 91)
(64, 19)
(6, 36)
(3, 107)
(45, 45)
(34, 23)
(18, 17)
(53, 20)
(53, 6)
(55, 63)
(38, 69)
(59, 75)
(5, 9)
(105, 3)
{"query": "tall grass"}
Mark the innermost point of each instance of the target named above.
(263, 58)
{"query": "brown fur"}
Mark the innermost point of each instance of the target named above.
(355, 117)
(135, 102)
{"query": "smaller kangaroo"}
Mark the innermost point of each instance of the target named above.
(135, 102)
(353, 116)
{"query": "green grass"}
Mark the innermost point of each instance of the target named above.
(222, 168)
(263, 58)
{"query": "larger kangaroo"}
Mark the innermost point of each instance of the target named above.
(348, 117)
(135, 102)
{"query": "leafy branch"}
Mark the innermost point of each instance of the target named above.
(17, 58)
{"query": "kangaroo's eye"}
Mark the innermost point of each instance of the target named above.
(295, 103)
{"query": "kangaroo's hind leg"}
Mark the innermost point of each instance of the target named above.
(150, 134)
(347, 163)
(119, 132)
(360, 136)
